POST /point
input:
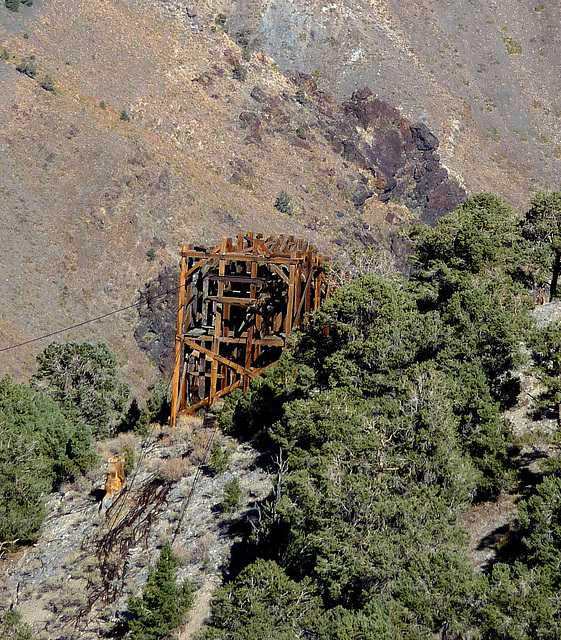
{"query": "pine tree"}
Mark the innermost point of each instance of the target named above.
(542, 227)
(163, 604)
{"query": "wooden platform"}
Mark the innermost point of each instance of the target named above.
(238, 303)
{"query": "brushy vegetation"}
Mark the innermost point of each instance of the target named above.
(40, 446)
(233, 494)
(388, 416)
(13, 5)
(220, 19)
(283, 203)
(28, 66)
(82, 378)
(47, 428)
(219, 459)
(385, 419)
(301, 96)
(163, 604)
(12, 627)
(48, 84)
(239, 72)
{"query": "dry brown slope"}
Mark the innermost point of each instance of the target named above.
(85, 195)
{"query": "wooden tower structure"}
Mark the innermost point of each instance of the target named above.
(238, 303)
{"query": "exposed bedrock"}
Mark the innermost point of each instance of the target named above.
(398, 159)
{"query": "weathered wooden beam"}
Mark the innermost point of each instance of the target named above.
(317, 291)
(290, 302)
(194, 268)
(236, 301)
(234, 278)
(248, 356)
(215, 356)
(178, 344)
(262, 342)
(243, 257)
(305, 300)
(279, 272)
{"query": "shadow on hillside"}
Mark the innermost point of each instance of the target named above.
(243, 551)
(505, 541)
(529, 474)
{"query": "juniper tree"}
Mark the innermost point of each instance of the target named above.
(39, 447)
(283, 203)
(163, 604)
(542, 227)
(82, 378)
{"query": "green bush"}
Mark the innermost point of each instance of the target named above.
(233, 494)
(220, 19)
(4, 55)
(158, 405)
(219, 459)
(545, 344)
(263, 602)
(12, 628)
(542, 228)
(48, 84)
(163, 604)
(28, 66)
(124, 116)
(82, 378)
(243, 37)
(283, 203)
(12, 5)
(239, 72)
(301, 96)
(39, 448)
(129, 461)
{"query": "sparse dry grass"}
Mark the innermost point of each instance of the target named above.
(173, 469)
(188, 423)
(201, 444)
(114, 447)
(196, 551)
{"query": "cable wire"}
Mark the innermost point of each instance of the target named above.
(143, 299)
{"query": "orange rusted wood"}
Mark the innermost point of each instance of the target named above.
(178, 344)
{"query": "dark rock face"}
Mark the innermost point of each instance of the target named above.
(155, 332)
(399, 157)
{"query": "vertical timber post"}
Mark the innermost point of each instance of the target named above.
(177, 364)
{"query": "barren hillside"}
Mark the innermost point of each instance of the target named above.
(150, 141)
(482, 74)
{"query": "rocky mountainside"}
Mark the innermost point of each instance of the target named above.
(76, 581)
(481, 74)
(159, 133)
